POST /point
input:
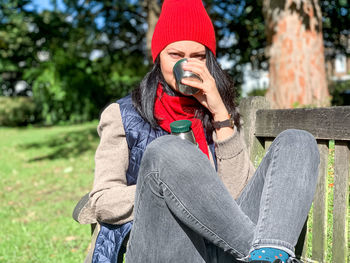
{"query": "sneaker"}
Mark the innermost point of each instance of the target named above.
(264, 261)
(290, 260)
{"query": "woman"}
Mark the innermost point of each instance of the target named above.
(204, 204)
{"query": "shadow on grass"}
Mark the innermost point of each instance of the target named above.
(66, 145)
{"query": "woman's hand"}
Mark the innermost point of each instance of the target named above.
(208, 94)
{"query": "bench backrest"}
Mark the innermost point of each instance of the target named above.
(261, 125)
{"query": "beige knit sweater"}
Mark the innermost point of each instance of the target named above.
(112, 201)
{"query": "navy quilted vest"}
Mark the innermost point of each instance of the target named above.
(139, 134)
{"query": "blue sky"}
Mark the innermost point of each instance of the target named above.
(41, 5)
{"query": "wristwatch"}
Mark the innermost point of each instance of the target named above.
(226, 123)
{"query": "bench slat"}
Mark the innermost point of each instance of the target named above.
(341, 198)
(319, 225)
(323, 123)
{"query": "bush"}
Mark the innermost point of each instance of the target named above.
(70, 89)
(257, 92)
(340, 92)
(16, 111)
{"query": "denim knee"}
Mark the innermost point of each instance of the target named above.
(300, 142)
(171, 153)
(170, 149)
(167, 146)
(298, 137)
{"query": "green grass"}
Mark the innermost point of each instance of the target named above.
(330, 194)
(43, 173)
(329, 204)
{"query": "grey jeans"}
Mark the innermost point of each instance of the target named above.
(184, 213)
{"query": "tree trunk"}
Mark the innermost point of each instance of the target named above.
(296, 54)
(153, 8)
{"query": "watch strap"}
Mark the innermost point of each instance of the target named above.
(221, 124)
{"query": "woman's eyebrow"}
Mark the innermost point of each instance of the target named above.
(198, 53)
(182, 53)
(175, 50)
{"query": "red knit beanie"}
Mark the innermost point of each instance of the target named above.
(183, 20)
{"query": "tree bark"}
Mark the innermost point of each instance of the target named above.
(296, 54)
(153, 8)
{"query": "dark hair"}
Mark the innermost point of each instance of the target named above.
(144, 95)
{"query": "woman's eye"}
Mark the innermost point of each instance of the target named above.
(175, 55)
(201, 57)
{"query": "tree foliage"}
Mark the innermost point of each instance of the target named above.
(74, 59)
(240, 30)
(16, 44)
(72, 64)
(336, 27)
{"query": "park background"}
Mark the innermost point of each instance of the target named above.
(62, 62)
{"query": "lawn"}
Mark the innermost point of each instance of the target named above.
(329, 203)
(43, 173)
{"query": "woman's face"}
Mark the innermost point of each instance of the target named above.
(176, 51)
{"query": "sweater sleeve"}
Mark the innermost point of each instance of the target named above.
(234, 165)
(112, 199)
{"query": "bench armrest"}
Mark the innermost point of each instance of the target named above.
(82, 212)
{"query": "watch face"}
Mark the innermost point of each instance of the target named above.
(232, 123)
(227, 123)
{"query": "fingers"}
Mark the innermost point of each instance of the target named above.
(198, 67)
(209, 95)
(196, 83)
(201, 98)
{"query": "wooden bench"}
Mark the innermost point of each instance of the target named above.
(261, 126)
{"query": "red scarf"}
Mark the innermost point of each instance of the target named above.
(173, 108)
